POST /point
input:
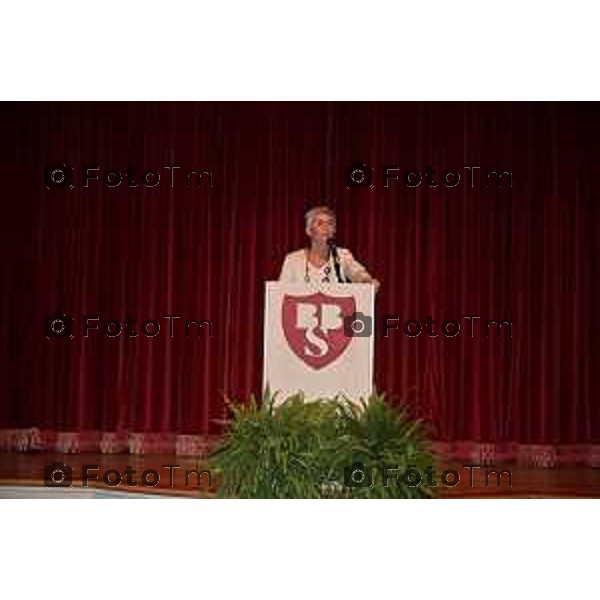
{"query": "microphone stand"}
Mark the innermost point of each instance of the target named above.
(336, 260)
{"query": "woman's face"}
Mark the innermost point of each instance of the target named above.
(322, 228)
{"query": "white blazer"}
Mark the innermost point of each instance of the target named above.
(296, 268)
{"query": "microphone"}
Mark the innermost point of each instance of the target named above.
(336, 259)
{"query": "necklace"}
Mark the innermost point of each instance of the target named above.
(326, 270)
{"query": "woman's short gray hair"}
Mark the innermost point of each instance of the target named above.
(310, 216)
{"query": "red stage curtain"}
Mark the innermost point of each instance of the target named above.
(527, 254)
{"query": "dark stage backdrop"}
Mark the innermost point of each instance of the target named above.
(526, 253)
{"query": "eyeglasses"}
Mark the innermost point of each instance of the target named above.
(320, 221)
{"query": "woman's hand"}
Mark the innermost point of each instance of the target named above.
(368, 279)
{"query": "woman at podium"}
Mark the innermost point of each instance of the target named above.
(323, 261)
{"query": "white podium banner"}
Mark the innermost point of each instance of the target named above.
(318, 340)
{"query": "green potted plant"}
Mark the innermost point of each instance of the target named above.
(315, 449)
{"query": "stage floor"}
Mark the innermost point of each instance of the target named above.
(27, 469)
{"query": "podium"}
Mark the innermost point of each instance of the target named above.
(319, 340)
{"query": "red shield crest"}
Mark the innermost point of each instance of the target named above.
(314, 327)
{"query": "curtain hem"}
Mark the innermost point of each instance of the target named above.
(105, 442)
(110, 442)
